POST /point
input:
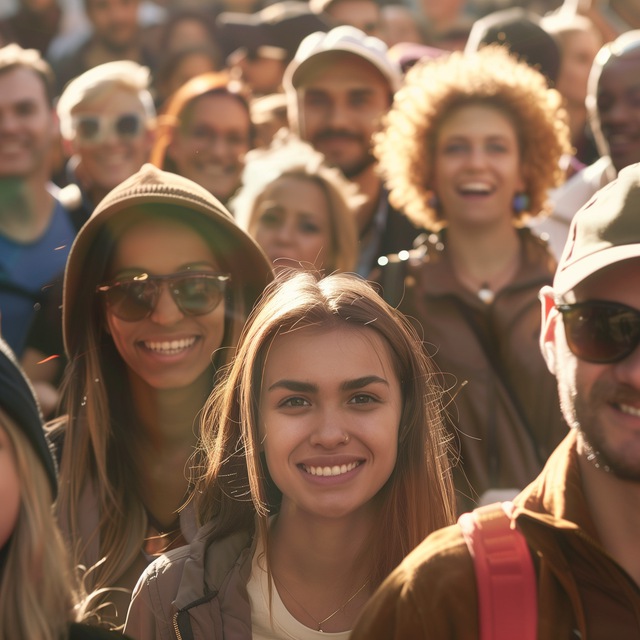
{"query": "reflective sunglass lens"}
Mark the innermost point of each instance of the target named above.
(87, 128)
(131, 301)
(128, 126)
(198, 294)
(601, 332)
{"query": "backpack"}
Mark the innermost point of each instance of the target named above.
(505, 576)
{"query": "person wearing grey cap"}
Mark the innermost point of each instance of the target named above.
(339, 86)
(581, 516)
(157, 287)
(39, 594)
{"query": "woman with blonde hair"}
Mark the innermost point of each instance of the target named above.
(324, 465)
(158, 285)
(40, 597)
(470, 150)
(204, 132)
(299, 210)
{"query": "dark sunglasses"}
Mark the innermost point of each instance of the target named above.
(599, 331)
(195, 293)
(95, 129)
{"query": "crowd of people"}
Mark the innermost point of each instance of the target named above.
(294, 293)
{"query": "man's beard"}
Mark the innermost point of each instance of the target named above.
(118, 46)
(358, 166)
(593, 432)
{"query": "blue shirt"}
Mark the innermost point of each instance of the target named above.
(25, 270)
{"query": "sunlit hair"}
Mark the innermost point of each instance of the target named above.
(101, 82)
(625, 46)
(98, 405)
(13, 56)
(177, 110)
(290, 157)
(434, 90)
(235, 486)
(38, 593)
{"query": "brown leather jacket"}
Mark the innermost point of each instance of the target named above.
(505, 414)
(582, 592)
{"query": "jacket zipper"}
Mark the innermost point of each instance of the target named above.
(175, 626)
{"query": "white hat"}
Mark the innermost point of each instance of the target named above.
(347, 39)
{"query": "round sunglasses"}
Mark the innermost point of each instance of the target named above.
(91, 129)
(195, 293)
(599, 331)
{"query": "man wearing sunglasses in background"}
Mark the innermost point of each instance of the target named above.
(581, 516)
(107, 118)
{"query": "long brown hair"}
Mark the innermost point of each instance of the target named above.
(235, 484)
(96, 398)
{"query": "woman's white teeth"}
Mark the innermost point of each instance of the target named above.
(475, 187)
(170, 346)
(336, 470)
(634, 411)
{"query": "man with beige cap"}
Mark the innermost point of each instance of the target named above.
(581, 517)
(339, 86)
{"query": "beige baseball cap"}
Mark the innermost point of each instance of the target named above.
(606, 230)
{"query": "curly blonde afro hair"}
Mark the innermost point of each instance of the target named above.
(405, 146)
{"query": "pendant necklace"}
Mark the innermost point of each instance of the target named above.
(319, 623)
(485, 293)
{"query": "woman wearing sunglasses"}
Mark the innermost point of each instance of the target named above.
(470, 150)
(157, 288)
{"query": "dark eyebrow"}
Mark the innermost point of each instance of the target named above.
(358, 383)
(293, 385)
(349, 385)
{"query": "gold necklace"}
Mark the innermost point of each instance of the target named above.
(319, 623)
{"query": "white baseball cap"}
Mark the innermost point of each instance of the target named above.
(346, 39)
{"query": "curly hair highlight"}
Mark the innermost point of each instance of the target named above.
(405, 147)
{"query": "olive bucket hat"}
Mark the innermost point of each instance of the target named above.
(237, 252)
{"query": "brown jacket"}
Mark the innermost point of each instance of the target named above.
(506, 419)
(582, 592)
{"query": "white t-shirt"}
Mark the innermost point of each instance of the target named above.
(278, 624)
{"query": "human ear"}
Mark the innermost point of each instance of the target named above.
(549, 320)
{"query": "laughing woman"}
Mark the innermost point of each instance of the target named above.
(470, 150)
(325, 464)
(157, 288)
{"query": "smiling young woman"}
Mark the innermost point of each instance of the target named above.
(157, 288)
(325, 463)
(470, 150)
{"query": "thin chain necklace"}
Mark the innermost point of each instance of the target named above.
(319, 623)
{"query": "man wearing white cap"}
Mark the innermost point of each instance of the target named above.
(339, 86)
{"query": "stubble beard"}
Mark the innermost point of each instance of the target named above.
(582, 414)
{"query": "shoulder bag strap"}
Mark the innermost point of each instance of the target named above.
(505, 577)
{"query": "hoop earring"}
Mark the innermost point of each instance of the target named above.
(521, 202)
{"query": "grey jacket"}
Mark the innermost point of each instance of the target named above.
(196, 592)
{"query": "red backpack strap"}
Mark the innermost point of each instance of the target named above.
(506, 579)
